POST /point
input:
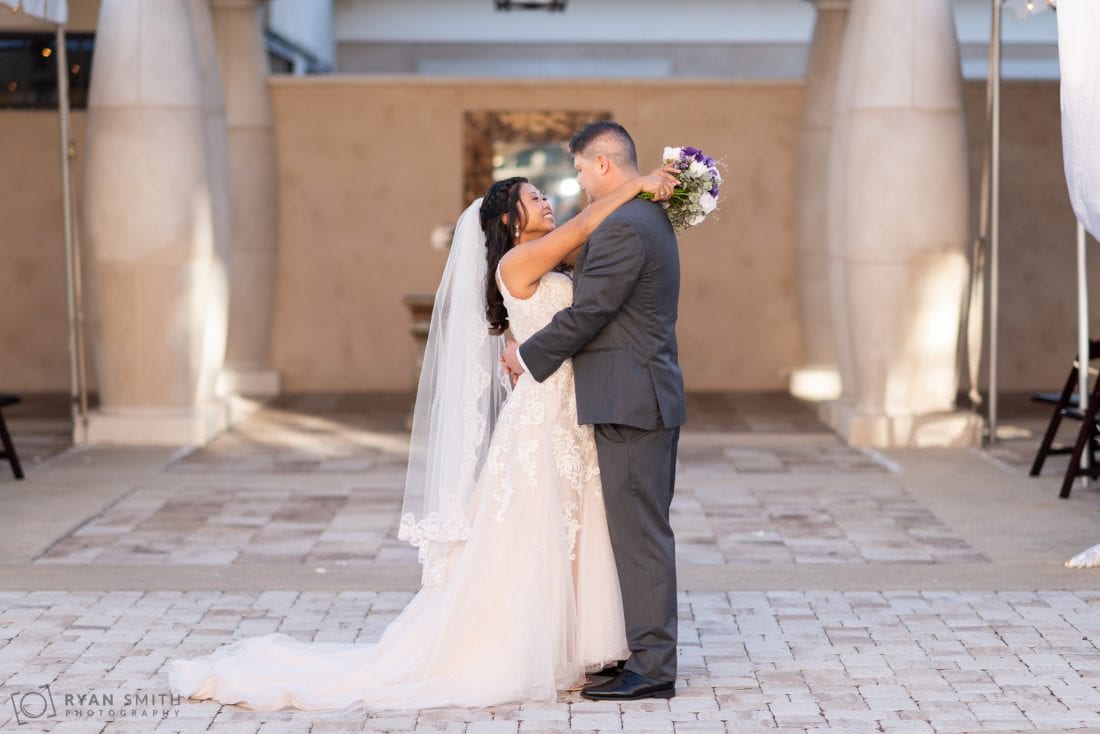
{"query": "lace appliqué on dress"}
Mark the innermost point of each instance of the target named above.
(572, 447)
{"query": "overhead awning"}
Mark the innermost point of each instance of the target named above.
(55, 11)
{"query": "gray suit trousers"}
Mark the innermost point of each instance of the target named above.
(638, 473)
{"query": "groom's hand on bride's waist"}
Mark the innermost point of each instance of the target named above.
(513, 365)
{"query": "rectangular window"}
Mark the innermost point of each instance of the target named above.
(28, 70)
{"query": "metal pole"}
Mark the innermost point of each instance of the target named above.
(994, 215)
(77, 391)
(971, 329)
(78, 297)
(1082, 334)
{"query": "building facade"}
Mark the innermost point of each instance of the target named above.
(335, 183)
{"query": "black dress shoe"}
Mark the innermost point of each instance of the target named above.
(609, 671)
(629, 686)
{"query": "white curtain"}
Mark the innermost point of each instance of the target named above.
(55, 11)
(1079, 57)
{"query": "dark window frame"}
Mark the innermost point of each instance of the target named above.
(34, 75)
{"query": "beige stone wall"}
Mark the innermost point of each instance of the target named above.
(1038, 305)
(34, 353)
(367, 167)
(33, 325)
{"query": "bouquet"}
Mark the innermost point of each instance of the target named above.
(697, 195)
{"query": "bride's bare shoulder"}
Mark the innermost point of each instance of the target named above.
(509, 276)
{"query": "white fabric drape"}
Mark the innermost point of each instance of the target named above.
(55, 11)
(1079, 58)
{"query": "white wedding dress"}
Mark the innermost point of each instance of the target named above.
(531, 599)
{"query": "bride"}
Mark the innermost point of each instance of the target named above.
(520, 593)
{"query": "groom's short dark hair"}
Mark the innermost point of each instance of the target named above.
(613, 139)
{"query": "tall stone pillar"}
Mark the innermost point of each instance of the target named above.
(217, 160)
(254, 197)
(898, 225)
(149, 221)
(817, 378)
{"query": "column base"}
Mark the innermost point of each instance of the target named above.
(815, 383)
(957, 429)
(156, 427)
(260, 383)
(238, 407)
(827, 411)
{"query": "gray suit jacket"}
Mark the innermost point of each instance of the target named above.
(621, 329)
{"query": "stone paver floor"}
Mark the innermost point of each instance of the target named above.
(995, 637)
(248, 522)
(749, 661)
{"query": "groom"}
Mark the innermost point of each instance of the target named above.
(621, 334)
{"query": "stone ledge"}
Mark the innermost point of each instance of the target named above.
(954, 429)
(154, 427)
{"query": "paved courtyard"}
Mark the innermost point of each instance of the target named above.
(823, 588)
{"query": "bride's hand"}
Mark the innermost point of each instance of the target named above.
(660, 183)
(667, 169)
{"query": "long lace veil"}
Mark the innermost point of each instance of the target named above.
(458, 399)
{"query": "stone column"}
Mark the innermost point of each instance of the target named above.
(898, 225)
(254, 200)
(817, 377)
(148, 218)
(217, 160)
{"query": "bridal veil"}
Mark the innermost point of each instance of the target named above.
(461, 390)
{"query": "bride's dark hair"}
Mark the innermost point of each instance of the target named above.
(502, 199)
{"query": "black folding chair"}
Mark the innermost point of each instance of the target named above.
(5, 437)
(1066, 405)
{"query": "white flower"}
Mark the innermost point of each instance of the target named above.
(698, 169)
(708, 202)
(671, 155)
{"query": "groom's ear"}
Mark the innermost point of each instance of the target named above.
(603, 163)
